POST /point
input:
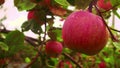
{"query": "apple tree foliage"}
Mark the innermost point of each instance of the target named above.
(32, 51)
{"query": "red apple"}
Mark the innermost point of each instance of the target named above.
(35, 15)
(84, 32)
(53, 48)
(2, 2)
(62, 64)
(104, 4)
(102, 65)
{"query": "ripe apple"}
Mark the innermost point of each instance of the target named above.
(84, 32)
(104, 4)
(35, 15)
(2, 2)
(102, 65)
(53, 48)
(62, 64)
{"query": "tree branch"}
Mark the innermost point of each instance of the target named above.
(114, 29)
(33, 61)
(111, 8)
(75, 62)
(112, 36)
(30, 40)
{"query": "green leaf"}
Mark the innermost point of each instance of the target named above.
(117, 45)
(3, 46)
(27, 60)
(24, 4)
(15, 41)
(32, 25)
(63, 2)
(72, 2)
(110, 60)
(55, 34)
(36, 27)
(116, 13)
(82, 4)
(66, 50)
(26, 26)
(115, 2)
(58, 33)
(15, 38)
(51, 62)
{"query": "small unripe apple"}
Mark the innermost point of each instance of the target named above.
(102, 65)
(104, 4)
(84, 32)
(35, 15)
(53, 48)
(2, 2)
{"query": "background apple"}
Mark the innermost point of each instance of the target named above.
(36, 16)
(102, 65)
(104, 4)
(84, 32)
(53, 48)
(2, 1)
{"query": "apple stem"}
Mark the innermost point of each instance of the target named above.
(112, 36)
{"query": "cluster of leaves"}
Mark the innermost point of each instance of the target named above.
(14, 42)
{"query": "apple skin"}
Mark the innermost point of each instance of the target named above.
(84, 32)
(102, 65)
(2, 2)
(104, 5)
(53, 48)
(31, 15)
(34, 15)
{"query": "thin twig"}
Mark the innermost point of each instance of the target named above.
(114, 29)
(44, 38)
(33, 39)
(75, 62)
(104, 22)
(29, 40)
(33, 61)
(110, 8)
(91, 5)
